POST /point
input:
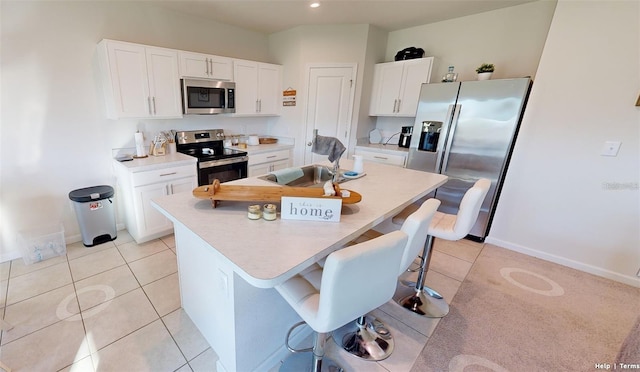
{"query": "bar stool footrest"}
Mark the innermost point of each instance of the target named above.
(371, 341)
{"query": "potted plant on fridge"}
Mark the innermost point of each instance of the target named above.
(485, 71)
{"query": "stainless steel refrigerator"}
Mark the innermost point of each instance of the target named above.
(467, 131)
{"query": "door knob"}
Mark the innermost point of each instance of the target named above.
(309, 143)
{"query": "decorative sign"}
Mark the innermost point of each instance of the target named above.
(289, 97)
(311, 209)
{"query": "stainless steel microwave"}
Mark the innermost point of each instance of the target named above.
(208, 97)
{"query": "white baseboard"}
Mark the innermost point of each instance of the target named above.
(11, 255)
(626, 279)
(70, 239)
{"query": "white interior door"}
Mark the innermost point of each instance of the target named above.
(330, 96)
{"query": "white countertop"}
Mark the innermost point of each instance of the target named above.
(157, 162)
(266, 253)
(178, 159)
(391, 148)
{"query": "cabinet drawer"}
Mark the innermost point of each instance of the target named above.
(378, 157)
(163, 175)
(268, 157)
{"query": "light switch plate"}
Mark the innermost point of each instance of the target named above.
(611, 148)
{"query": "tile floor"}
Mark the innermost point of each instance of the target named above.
(116, 307)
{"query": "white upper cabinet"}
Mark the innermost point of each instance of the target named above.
(396, 87)
(204, 66)
(258, 87)
(140, 81)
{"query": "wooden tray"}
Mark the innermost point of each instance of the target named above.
(217, 192)
(267, 140)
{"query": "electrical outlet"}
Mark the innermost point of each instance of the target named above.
(223, 282)
(611, 148)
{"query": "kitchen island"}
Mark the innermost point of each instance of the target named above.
(229, 264)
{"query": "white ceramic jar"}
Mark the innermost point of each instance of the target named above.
(358, 165)
(253, 141)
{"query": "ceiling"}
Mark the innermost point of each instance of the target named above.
(268, 16)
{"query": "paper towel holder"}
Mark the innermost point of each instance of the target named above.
(139, 142)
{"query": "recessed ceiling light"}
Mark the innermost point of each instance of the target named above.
(315, 4)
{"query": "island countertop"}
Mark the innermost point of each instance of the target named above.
(266, 253)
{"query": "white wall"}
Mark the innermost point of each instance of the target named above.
(562, 200)
(295, 49)
(511, 38)
(54, 134)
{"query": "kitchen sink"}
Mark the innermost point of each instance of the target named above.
(313, 176)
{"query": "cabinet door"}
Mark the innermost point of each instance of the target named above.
(194, 65)
(386, 88)
(415, 73)
(269, 89)
(221, 68)
(384, 158)
(205, 66)
(245, 75)
(164, 83)
(128, 81)
(150, 220)
(259, 169)
(183, 185)
(277, 165)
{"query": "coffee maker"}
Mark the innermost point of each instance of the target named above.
(405, 137)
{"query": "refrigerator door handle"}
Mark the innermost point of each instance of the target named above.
(450, 135)
(444, 138)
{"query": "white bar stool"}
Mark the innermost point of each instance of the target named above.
(426, 301)
(368, 338)
(340, 298)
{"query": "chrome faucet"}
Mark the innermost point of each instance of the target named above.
(336, 171)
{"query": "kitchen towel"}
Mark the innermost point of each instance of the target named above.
(328, 146)
(284, 176)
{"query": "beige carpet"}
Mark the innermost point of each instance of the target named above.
(518, 313)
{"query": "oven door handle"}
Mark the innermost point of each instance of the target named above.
(213, 163)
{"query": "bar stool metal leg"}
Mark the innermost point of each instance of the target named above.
(422, 273)
(425, 301)
(299, 362)
(367, 338)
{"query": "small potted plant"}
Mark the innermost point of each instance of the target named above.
(485, 71)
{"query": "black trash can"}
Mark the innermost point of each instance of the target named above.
(95, 213)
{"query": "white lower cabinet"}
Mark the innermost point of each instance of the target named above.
(143, 221)
(398, 160)
(266, 162)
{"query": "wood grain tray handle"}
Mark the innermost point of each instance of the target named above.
(218, 192)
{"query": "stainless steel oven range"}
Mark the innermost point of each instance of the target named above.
(214, 161)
